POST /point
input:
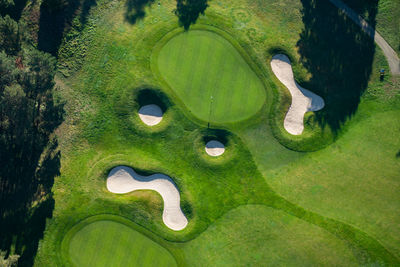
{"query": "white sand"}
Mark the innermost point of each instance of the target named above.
(151, 114)
(215, 148)
(124, 179)
(303, 100)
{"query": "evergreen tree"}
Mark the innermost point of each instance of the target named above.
(12, 35)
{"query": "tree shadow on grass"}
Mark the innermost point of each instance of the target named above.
(56, 18)
(188, 11)
(135, 9)
(339, 56)
(23, 219)
(366, 8)
(398, 155)
(15, 10)
(29, 157)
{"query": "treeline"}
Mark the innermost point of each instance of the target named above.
(29, 115)
(29, 159)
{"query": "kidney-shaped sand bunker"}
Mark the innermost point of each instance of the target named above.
(303, 100)
(124, 179)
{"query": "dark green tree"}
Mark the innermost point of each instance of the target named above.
(6, 3)
(12, 35)
(28, 149)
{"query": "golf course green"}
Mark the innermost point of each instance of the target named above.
(211, 77)
(110, 243)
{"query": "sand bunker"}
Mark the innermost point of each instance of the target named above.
(151, 114)
(124, 179)
(215, 148)
(302, 99)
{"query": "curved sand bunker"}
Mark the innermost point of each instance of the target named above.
(151, 114)
(124, 179)
(215, 148)
(302, 99)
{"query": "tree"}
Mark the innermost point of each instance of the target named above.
(8, 72)
(12, 35)
(6, 3)
(28, 151)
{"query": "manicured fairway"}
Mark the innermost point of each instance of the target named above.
(109, 243)
(362, 162)
(260, 236)
(211, 77)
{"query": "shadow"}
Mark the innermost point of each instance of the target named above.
(216, 134)
(29, 157)
(135, 9)
(398, 155)
(339, 56)
(56, 18)
(14, 11)
(86, 6)
(365, 8)
(151, 96)
(188, 11)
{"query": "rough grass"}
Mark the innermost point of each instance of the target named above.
(260, 236)
(110, 243)
(211, 77)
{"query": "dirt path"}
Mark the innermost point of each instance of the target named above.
(390, 54)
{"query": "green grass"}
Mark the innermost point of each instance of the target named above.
(211, 77)
(102, 130)
(260, 236)
(110, 243)
(356, 180)
(388, 22)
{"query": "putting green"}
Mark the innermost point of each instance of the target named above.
(109, 243)
(211, 77)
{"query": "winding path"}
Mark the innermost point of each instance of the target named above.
(124, 179)
(390, 54)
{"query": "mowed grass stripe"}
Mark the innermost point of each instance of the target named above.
(207, 64)
(205, 93)
(199, 69)
(109, 243)
(230, 75)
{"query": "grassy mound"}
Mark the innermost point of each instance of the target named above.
(211, 77)
(256, 235)
(111, 243)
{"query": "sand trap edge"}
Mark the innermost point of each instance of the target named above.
(150, 114)
(123, 179)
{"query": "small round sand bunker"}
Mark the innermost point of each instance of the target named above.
(215, 148)
(151, 114)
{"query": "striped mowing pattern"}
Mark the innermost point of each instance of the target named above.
(211, 77)
(108, 243)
